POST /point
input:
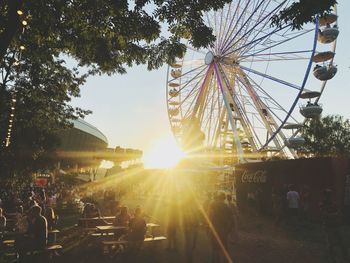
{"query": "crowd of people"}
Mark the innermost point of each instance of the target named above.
(28, 216)
(291, 203)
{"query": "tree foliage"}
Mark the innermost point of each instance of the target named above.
(303, 11)
(329, 136)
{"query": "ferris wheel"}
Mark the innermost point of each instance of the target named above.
(241, 96)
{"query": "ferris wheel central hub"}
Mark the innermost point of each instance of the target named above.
(209, 58)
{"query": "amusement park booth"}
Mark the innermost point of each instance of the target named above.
(310, 177)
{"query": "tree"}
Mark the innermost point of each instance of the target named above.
(329, 136)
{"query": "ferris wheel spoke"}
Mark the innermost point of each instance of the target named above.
(206, 100)
(218, 36)
(198, 90)
(245, 112)
(211, 26)
(237, 106)
(229, 35)
(189, 110)
(228, 44)
(275, 131)
(231, 44)
(276, 59)
(294, 86)
(210, 114)
(232, 19)
(276, 44)
(187, 84)
(257, 22)
(202, 91)
(261, 108)
(259, 29)
(279, 55)
(225, 25)
(256, 41)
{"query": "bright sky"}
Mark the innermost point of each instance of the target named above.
(130, 109)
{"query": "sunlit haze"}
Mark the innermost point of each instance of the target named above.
(164, 153)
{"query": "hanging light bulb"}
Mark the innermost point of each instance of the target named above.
(12, 108)
(19, 12)
(24, 23)
(13, 100)
(22, 48)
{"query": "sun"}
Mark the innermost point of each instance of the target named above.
(165, 153)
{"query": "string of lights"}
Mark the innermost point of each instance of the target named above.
(17, 64)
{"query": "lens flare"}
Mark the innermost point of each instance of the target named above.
(165, 153)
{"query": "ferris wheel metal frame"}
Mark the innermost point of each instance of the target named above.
(223, 72)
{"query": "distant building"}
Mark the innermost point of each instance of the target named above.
(83, 147)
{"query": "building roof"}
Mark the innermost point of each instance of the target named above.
(88, 128)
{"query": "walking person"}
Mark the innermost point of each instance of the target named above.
(293, 200)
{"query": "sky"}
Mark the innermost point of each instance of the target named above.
(131, 109)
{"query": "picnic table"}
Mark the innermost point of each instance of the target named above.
(92, 222)
(110, 229)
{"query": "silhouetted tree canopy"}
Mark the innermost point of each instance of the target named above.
(329, 136)
(303, 11)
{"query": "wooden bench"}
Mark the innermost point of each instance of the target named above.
(153, 242)
(50, 249)
(11, 256)
(154, 239)
(54, 250)
(101, 234)
(9, 243)
(108, 246)
(9, 250)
